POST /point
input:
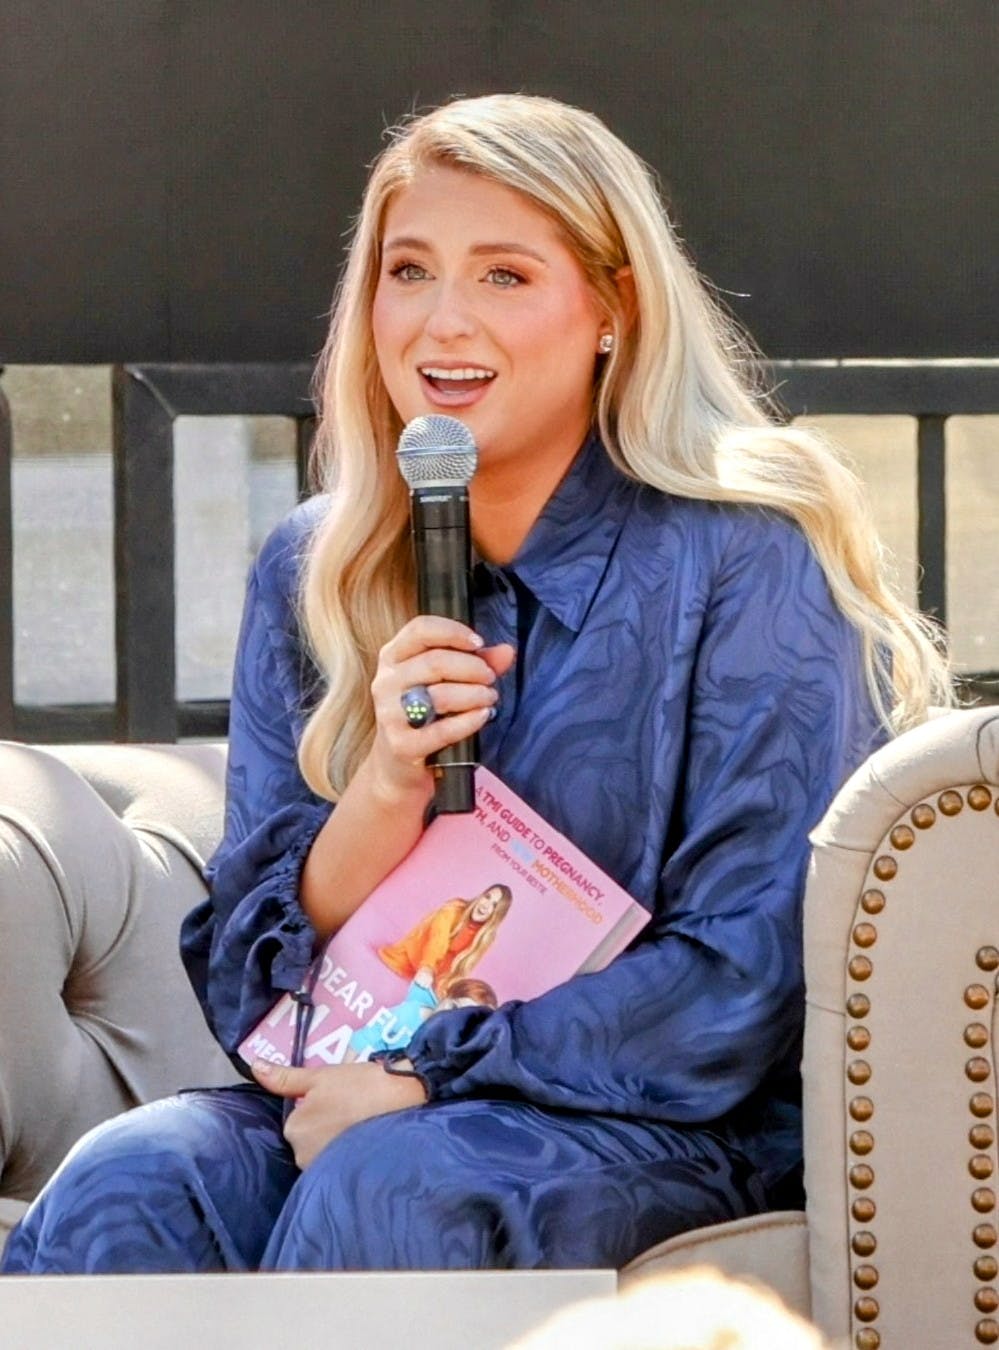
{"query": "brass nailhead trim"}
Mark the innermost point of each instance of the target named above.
(858, 1038)
(872, 902)
(950, 802)
(860, 968)
(978, 1069)
(923, 816)
(864, 1209)
(859, 1073)
(866, 1277)
(858, 1005)
(866, 1244)
(865, 935)
(868, 1339)
(862, 1108)
(979, 797)
(902, 838)
(866, 1308)
(861, 1176)
(861, 1143)
(885, 868)
(983, 1199)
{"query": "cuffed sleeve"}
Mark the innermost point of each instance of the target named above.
(692, 1020)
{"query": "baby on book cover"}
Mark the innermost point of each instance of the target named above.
(488, 907)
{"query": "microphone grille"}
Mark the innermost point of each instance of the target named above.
(436, 451)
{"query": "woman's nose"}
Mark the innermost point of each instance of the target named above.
(450, 315)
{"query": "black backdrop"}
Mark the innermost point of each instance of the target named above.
(176, 175)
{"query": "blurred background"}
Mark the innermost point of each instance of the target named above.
(177, 178)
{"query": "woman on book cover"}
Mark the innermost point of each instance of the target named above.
(449, 941)
(684, 642)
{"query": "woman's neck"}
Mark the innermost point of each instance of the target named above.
(505, 502)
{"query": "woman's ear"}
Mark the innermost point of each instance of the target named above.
(624, 280)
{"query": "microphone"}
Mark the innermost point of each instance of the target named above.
(437, 457)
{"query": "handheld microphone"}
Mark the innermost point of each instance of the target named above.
(437, 457)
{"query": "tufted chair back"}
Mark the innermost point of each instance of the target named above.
(902, 955)
(100, 855)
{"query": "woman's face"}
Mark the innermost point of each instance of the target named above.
(482, 312)
(485, 905)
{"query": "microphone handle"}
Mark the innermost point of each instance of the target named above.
(442, 544)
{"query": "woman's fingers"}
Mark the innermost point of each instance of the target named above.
(438, 666)
(500, 657)
(450, 661)
(427, 631)
(457, 698)
(412, 744)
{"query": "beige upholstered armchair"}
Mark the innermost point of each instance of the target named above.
(899, 1248)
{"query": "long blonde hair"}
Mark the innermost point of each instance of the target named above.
(676, 403)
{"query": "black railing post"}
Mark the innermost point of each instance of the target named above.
(305, 434)
(146, 699)
(6, 571)
(931, 480)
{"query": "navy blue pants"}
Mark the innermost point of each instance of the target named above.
(205, 1182)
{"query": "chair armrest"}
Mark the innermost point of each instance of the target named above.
(100, 857)
(901, 955)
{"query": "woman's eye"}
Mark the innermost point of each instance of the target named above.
(408, 271)
(503, 276)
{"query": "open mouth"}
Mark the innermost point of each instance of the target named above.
(458, 379)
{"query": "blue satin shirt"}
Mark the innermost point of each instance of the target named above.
(686, 700)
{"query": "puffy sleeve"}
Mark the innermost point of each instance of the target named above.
(686, 1024)
(250, 938)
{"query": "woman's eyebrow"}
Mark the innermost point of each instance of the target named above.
(477, 250)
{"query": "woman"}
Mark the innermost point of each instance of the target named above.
(450, 941)
(683, 646)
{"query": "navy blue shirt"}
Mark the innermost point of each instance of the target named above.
(686, 700)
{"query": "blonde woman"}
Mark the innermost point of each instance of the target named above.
(448, 942)
(683, 645)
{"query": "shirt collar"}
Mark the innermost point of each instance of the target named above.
(563, 559)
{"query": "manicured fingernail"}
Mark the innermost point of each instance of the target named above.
(478, 641)
(493, 713)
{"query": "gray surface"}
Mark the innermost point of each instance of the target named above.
(484, 1310)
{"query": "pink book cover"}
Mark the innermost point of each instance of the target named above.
(487, 907)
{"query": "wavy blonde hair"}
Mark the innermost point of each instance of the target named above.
(676, 402)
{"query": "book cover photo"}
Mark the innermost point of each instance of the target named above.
(489, 906)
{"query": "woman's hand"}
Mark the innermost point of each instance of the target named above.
(380, 815)
(332, 1098)
(450, 660)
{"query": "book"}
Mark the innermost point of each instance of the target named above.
(489, 906)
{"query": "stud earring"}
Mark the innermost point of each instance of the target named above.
(606, 344)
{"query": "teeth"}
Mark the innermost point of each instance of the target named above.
(461, 373)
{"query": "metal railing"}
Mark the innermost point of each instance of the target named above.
(148, 398)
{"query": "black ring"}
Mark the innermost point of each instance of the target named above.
(418, 706)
